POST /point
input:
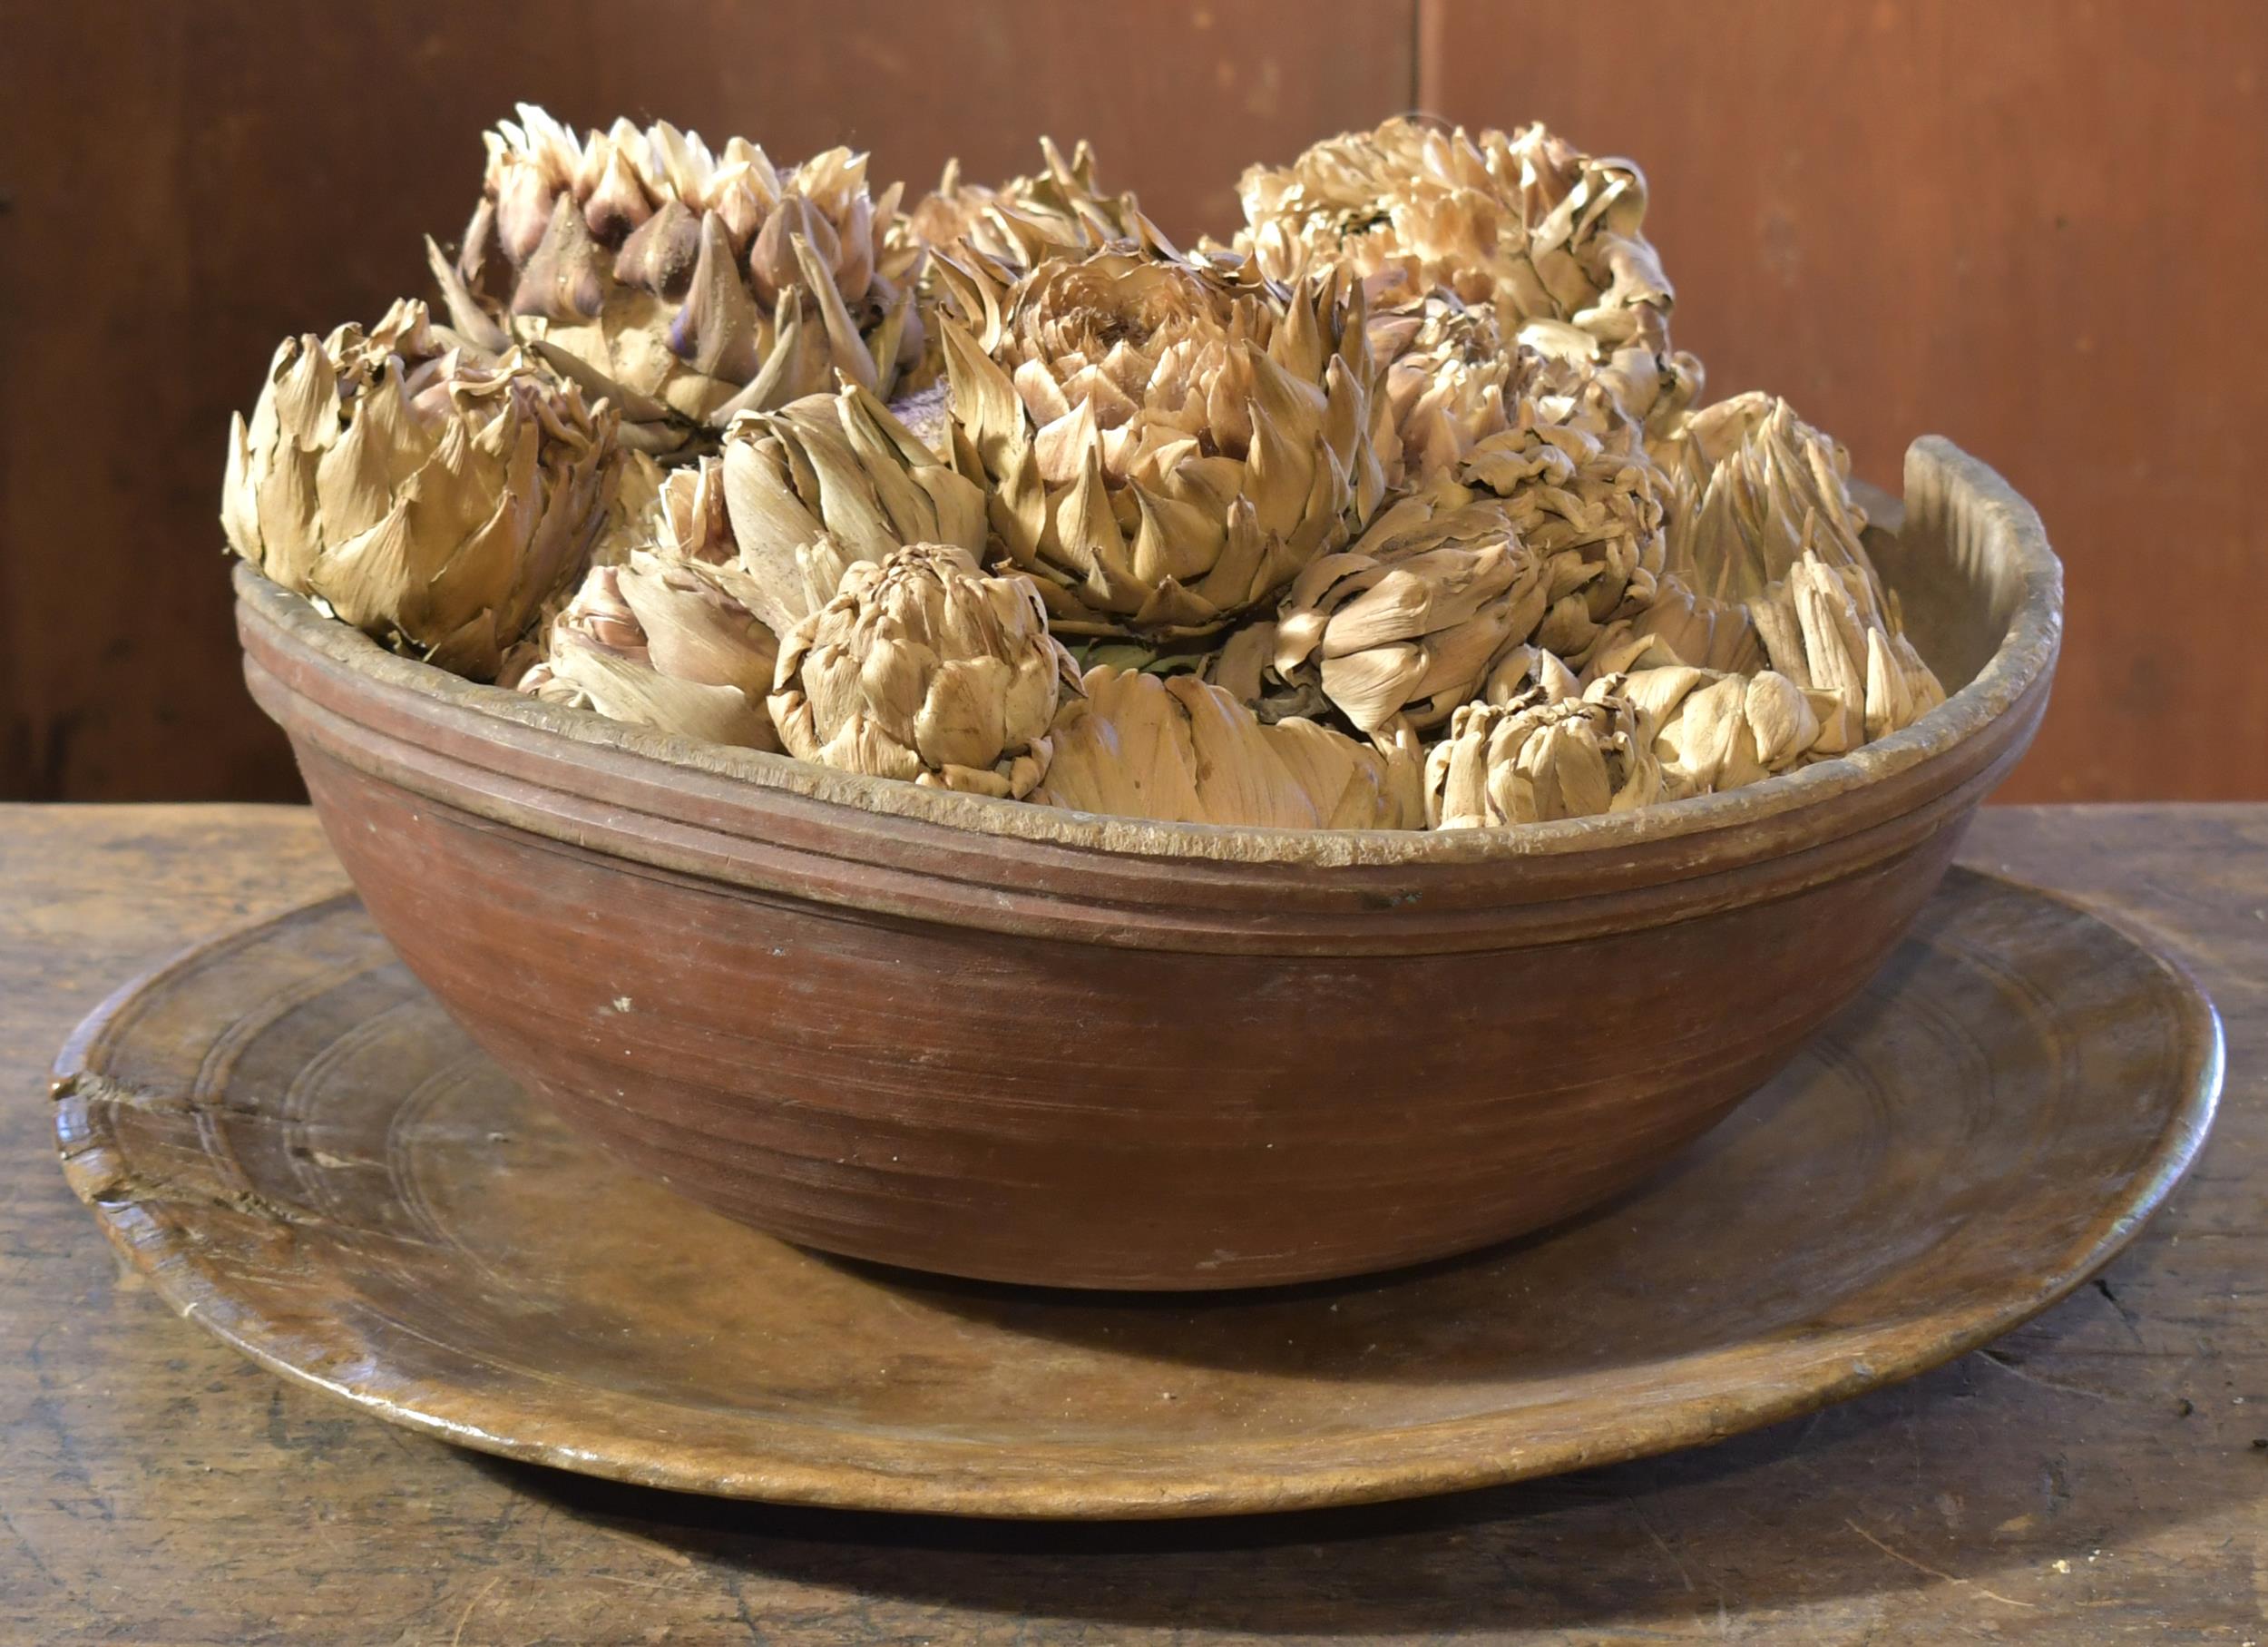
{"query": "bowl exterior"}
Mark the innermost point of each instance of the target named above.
(1028, 1109)
(1027, 1062)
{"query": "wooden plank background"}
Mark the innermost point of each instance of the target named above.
(2033, 226)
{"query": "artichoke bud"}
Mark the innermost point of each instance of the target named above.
(1715, 732)
(1549, 236)
(1179, 749)
(1744, 476)
(434, 499)
(665, 268)
(1449, 373)
(1166, 443)
(1761, 518)
(1819, 629)
(661, 643)
(921, 666)
(1533, 761)
(1060, 211)
(1404, 624)
(828, 482)
(1580, 491)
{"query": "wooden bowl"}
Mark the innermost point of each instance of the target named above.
(1025, 1044)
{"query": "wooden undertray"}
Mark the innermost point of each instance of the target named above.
(309, 1160)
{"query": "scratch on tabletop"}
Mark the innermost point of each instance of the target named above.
(2017, 1369)
(645, 1545)
(1966, 1583)
(1646, 1527)
(456, 1638)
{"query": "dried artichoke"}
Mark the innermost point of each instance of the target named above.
(432, 499)
(662, 642)
(1714, 731)
(1580, 491)
(1550, 236)
(1532, 760)
(1166, 443)
(829, 481)
(1819, 629)
(1405, 622)
(1744, 477)
(1762, 517)
(706, 282)
(923, 668)
(1177, 749)
(1449, 375)
(1060, 212)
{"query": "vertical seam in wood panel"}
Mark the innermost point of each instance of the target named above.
(1425, 21)
(1416, 81)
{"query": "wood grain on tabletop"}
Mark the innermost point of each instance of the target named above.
(2020, 225)
(2095, 1476)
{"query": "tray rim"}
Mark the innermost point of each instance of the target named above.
(1491, 1453)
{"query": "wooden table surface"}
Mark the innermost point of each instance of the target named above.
(2099, 1476)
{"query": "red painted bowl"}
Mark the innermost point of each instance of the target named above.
(1015, 1043)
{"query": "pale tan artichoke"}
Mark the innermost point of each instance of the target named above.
(1404, 624)
(706, 282)
(1533, 761)
(1745, 477)
(1714, 731)
(1761, 519)
(432, 499)
(921, 666)
(1060, 211)
(1551, 237)
(662, 642)
(687, 519)
(830, 481)
(1557, 544)
(1820, 630)
(1580, 491)
(1449, 373)
(1177, 749)
(1706, 633)
(1528, 675)
(1167, 443)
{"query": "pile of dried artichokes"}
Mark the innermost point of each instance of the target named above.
(1400, 513)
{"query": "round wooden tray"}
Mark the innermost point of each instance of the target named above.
(309, 1160)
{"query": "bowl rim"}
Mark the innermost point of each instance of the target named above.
(1942, 482)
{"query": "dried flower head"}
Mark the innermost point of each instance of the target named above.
(923, 668)
(1533, 761)
(707, 281)
(1820, 628)
(1714, 731)
(435, 500)
(1744, 477)
(662, 642)
(1178, 750)
(1167, 443)
(827, 482)
(1404, 624)
(1524, 222)
(1762, 518)
(1449, 373)
(1060, 211)
(1581, 492)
